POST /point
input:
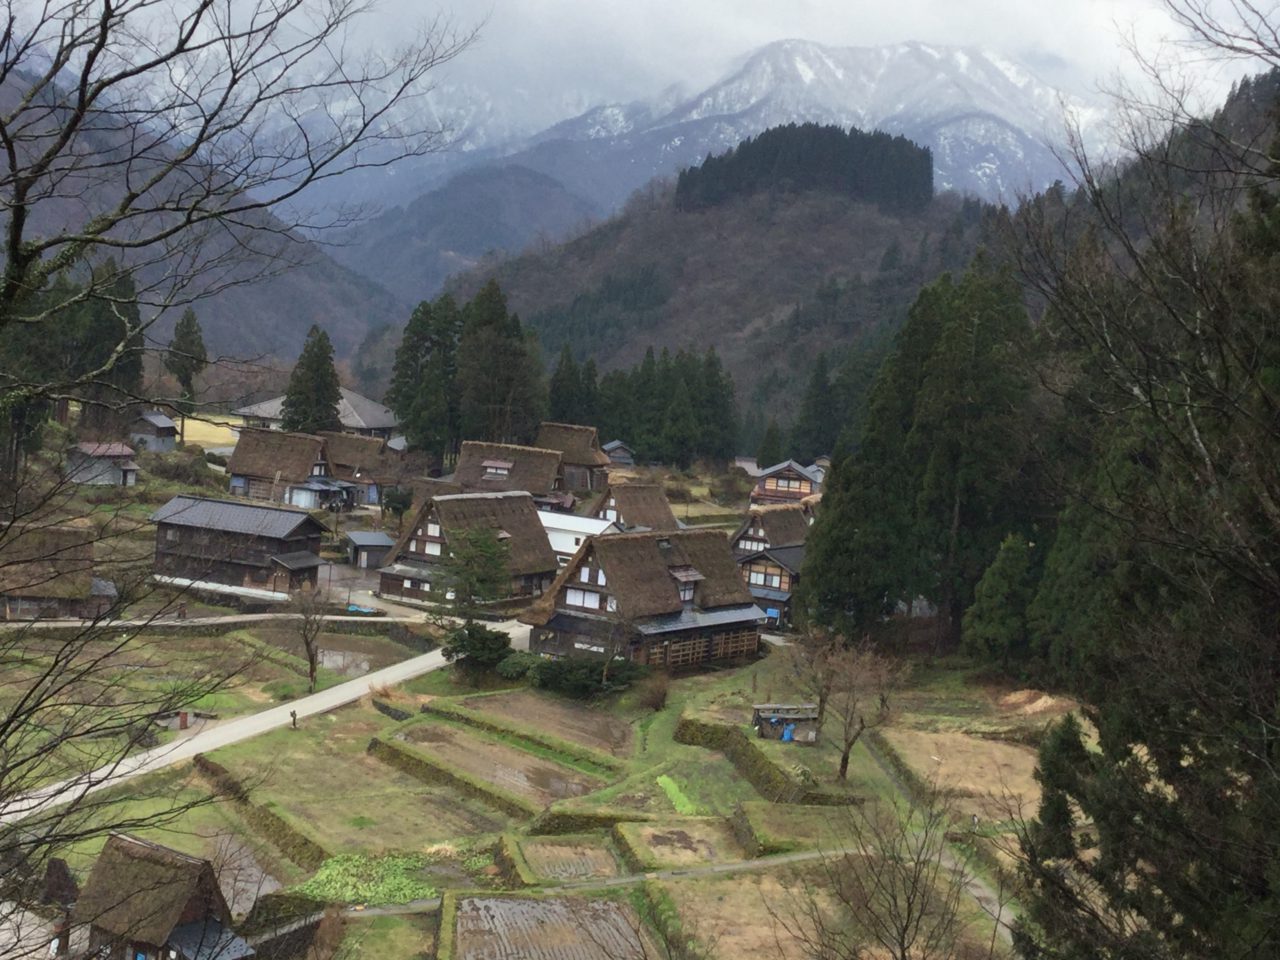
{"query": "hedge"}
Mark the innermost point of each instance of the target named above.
(386, 709)
(448, 921)
(770, 780)
(570, 820)
(265, 819)
(606, 762)
(433, 770)
(510, 860)
(273, 910)
(634, 852)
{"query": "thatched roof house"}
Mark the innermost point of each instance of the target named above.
(153, 900)
(771, 525)
(501, 467)
(673, 598)
(290, 467)
(635, 506)
(582, 462)
(415, 570)
(47, 571)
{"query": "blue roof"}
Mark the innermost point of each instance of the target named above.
(208, 940)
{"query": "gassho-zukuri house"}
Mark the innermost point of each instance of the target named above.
(669, 598)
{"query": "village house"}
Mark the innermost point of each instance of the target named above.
(144, 901)
(102, 464)
(771, 525)
(48, 572)
(786, 482)
(242, 549)
(619, 453)
(582, 462)
(417, 569)
(634, 506)
(567, 532)
(357, 414)
(154, 432)
(504, 467)
(772, 575)
(671, 599)
(367, 549)
(290, 468)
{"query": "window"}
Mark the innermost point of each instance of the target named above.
(747, 545)
(419, 531)
(582, 598)
(584, 574)
(608, 514)
(432, 548)
(496, 471)
(408, 584)
(577, 541)
(413, 546)
(171, 535)
(686, 592)
(600, 576)
(433, 530)
(611, 604)
(318, 470)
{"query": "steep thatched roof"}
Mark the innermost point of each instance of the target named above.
(783, 524)
(531, 469)
(49, 562)
(260, 453)
(349, 452)
(641, 572)
(578, 445)
(511, 515)
(141, 890)
(638, 505)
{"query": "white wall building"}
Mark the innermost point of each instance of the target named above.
(567, 532)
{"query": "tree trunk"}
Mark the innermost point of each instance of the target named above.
(844, 762)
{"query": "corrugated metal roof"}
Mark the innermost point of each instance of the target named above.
(232, 516)
(690, 619)
(157, 419)
(355, 412)
(799, 468)
(369, 538)
(297, 560)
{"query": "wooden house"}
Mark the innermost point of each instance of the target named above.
(153, 431)
(417, 571)
(582, 462)
(504, 467)
(367, 549)
(786, 482)
(772, 576)
(634, 507)
(102, 464)
(290, 468)
(251, 550)
(368, 465)
(357, 414)
(671, 599)
(619, 453)
(771, 525)
(144, 901)
(48, 572)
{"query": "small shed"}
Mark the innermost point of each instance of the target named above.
(102, 464)
(619, 453)
(153, 431)
(788, 722)
(367, 549)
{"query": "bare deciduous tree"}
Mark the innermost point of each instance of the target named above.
(308, 608)
(861, 681)
(813, 656)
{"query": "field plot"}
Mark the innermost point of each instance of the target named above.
(984, 775)
(561, 859)
(682, 843)
(345, 654)
(347, 800)
(569, 721)
(503, 765)
(509, 928)
(741, 916)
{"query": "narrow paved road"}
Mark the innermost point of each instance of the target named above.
(223, 734)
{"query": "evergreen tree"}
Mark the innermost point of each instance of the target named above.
(312, 396)
(186, 358)
(770, 451)
(648, 406)
(813, 431)
(108, 345)
(589, 396)
(500, 386)
(679, 429)
(423, 390)
(565, 390)
(995, 626)
(718, 427)
(476, 570)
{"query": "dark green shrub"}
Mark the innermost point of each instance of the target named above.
(473, 646)
(516, 666)
(584, 679)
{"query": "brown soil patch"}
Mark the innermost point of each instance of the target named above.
(579, 724)
(507, 928)
(502, 765)
(985, 775)
(568, 861)
(691, 842)
(733, 913)
(343, 653)
(1035, 703)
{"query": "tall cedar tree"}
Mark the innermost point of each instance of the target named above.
(186, 359)
(500, 386)
(312, 396)
(565, 400)
(423, 390)
(770, 451)
(679, 441)
(814, 430)
(108, 339)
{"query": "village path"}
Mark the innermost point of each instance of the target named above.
(215, 735)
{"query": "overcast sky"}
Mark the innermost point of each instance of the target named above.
(627, 49)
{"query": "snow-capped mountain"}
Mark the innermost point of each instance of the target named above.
(992, 125)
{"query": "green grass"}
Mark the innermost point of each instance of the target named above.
(451, 682)
(683, 805)
(396, 878)
(406, 937)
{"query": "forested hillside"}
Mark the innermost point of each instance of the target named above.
(771, 279)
